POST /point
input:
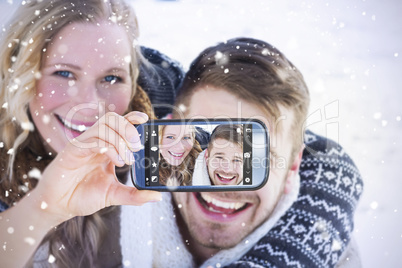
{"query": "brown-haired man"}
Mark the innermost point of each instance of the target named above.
(222, 161)
(303, 216)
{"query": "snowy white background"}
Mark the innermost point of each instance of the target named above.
(350, 52)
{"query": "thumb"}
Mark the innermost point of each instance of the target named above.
(136, 117)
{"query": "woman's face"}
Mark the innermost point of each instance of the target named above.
(85, 73)
(176, 143)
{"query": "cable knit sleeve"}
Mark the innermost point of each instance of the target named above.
(317, 229)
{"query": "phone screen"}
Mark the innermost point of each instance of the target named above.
(202, 155)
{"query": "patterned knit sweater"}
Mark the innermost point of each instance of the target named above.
(315, 231)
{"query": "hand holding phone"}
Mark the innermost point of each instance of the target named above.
(202, 155)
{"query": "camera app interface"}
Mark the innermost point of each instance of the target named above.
(184, 155)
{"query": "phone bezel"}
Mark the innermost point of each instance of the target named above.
(140, 184)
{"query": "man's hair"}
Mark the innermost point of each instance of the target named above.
(231, 133)
(252, 70)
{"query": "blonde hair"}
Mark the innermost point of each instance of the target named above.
(32, 28)
(35, 23)
(182, 174)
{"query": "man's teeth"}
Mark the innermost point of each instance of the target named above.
(225, 177)
(79, 128)
(218, 203)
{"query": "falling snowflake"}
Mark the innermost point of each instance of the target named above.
(29, 240)
(51, 259)
(27, 126)
(127, 59)
(35, 173)
(43, 205)
(182, 108)
(336, 245)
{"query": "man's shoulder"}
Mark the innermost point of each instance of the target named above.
(317, 228)
(326, 163)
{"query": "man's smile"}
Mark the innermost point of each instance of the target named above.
(225, 178)
(218, 208)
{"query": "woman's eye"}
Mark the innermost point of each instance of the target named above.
(170, 137)
(186, 138)
(65, 74)
(113, 79)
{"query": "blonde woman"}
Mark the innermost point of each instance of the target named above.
(178, 152)
(68, 81)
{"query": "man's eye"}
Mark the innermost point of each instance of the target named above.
(65, 74)
(113, 79)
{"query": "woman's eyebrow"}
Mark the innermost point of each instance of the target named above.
(169, 134)
(63, 65)
(115, 70)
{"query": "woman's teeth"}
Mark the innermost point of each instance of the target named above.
(227, 205)
(176, 155)
(78, 128)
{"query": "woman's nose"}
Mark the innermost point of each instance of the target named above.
(179, 146)
(88, 92)
(87, 100)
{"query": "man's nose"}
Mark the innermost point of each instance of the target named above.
(226, 165)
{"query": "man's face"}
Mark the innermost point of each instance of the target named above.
(217, 220)
(225, 162)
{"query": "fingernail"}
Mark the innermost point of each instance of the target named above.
(121, 160)
(138, 114)
(143, 115)
(136, 146)
(134, 139)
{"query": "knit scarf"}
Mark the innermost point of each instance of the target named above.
(150, 236)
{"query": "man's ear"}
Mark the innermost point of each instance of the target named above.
(294, 169)
(206, 155)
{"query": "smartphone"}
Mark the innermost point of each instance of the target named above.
(207, 154)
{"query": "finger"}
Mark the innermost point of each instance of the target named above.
(125, 129)
(120, 194)
(115, 145)
(114, 136)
